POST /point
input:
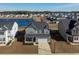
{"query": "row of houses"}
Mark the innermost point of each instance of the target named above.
(33, 30)
(14, 16)
(68, 28)
(9, 28)
(39, 13)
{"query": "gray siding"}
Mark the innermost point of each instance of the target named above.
(38, 35)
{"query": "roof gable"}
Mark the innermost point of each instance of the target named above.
(30, 30)
(39, 25)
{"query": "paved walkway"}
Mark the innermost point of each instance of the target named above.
(43, 47)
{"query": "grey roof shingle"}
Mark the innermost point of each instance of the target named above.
(7, 25)
(65, 23)
(39, 25)
(69, 24)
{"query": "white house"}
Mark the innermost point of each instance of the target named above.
(7, 32)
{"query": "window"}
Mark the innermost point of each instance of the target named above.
(0, 39)
(46, 31)
(75, 38)
(75, 32)
(28, 39)
(40, 31)
(15, 28)
(3, 39)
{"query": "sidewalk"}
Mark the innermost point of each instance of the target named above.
(43, 47)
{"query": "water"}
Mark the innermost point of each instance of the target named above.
(21, 22)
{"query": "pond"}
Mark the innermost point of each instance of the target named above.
(21, 22)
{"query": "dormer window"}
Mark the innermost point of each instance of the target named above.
(40, 31)
(46, 31)
(74, 32)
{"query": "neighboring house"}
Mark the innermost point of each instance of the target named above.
(35, 31)
(52, 19)
(52, 22)
(7, 32)
(69, 30)
(12, 26)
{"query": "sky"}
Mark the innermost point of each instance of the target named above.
(40, 6)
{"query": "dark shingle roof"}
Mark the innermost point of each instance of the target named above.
(39, 25)
(65, 23)
(71, 24)
(68, 24)
(7, 25)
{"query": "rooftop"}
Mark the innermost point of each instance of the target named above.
(39, 25)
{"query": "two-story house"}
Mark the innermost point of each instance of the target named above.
(35, 31)
(7, 32)
(69, 30)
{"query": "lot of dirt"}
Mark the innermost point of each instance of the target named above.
(19, 48)
(59, 45)
(53, 26)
